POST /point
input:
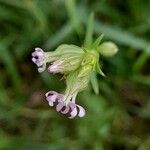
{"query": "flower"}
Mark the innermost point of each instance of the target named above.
(65, 59)
(77, 65)
(71, 109)
(66, 63)
(38, 57)
(108, 49)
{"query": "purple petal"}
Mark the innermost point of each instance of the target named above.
(50, 93)
(38, 49)
(39, 64)
(72, 105)
(34, 54)
(52, 68)
(51, 103)
(60, 96)
(81, 111)
(40, 54)
(42, 68)
(59, 106)
(73, 113)
(53, 98)
(66, 110)
(34, 60)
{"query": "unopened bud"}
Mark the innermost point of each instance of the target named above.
(108, 49)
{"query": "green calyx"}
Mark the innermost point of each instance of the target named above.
(108, 49)
(79, 63)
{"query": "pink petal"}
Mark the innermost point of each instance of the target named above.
(81, 111)
(53, 98)
(73, 113)
(34, 60)
(42, 68)
(38, 49)
(39, 63)
(72, 105)
(60, 96)
(40, 54)
(52, 68)
(66, 110)
(50, 93)
(59, 106)
(51, 103)
(34, 54)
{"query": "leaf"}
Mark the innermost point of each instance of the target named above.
(94, 83)
(121, 36)
(89, 31)
(8, 61)
(98, 69)
(139, 63)
(73, 15)
(97, 41)
(59, 36)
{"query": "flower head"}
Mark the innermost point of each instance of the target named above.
(66, 63)
(66, 58)
(71, 109)
(77, 64)
(38, 57)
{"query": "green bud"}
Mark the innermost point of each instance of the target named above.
(78, 80)
(66, 48)
(63, 50)
(108, 49)
(66, 63)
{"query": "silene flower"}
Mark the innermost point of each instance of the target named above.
(77, 64)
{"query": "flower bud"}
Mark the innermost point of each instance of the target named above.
(108, 49)
(66, 63)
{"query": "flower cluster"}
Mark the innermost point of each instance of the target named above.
(76, 64)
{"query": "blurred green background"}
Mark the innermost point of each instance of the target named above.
(116, 119)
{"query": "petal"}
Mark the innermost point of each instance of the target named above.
(34, 54)
(39, 63)
(38, 49)
(72, 105)
(60, 96)
(42, 68)
(59, 106)
(73, 113)
(52, 68)
(81, 111)
(40, 54)
(34, 60)
(50, 93)
(53, 98)
(51, 103)
(66, 110)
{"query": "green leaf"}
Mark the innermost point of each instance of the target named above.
(121, 36)
(98, 69)
(59, 36)
(73, 15)
(94, 83)
(97, 42)
(89, 31)
(141, 60)
(10, 67)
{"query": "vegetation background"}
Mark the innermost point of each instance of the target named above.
(118, 118)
